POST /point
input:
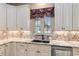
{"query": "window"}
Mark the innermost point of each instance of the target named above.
(43, 25)
(37, 27)
(47, 24)
(42, 20)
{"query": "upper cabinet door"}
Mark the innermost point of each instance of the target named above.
(67, 16)
(63, 16)
(58, 16)
(11, 17)
(2, 16)
(76, 16)
(23, 17)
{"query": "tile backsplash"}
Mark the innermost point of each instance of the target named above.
(57, 35)
(66, 35)
(15, 34)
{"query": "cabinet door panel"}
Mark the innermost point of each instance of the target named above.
(45, 50)
(21, 49)
(58, 16)
(33, 50)
(63, 16)
(7, 49)
(11, 17)
(10, 49)
(76, 16)
(23, 17)
(2, 16)
(67, 16)
(2, 50)
(39, 50)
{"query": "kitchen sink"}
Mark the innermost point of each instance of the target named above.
(40, 41)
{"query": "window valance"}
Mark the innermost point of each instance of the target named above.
(36, 13)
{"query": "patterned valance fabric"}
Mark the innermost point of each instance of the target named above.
(36, 13)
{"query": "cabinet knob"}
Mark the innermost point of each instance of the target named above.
(63, 28)
(6, 28)
(6, 45)
(21, 28)
(25, 49)
(37, 51)
(21, 45)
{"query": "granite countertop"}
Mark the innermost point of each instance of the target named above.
(52, 42)
(4, 41)
(65, 43)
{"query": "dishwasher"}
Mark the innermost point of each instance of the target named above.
(61, 51)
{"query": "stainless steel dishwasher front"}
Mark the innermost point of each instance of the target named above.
(61, 51)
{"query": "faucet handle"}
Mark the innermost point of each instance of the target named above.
(6, 28)
(21, 28)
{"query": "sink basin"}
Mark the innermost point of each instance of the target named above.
(40, 41)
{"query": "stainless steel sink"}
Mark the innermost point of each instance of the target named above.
(40, 41)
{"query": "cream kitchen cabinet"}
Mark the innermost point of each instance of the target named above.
(39, 50)
(2, 16)
(21, 49)
(2, 50)
(45, 50)
(7, 49)
(63, 16)
(33, 50)
(10, 49)
(11, 17)
(23, 17)
(75, 16)
(26, 49)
